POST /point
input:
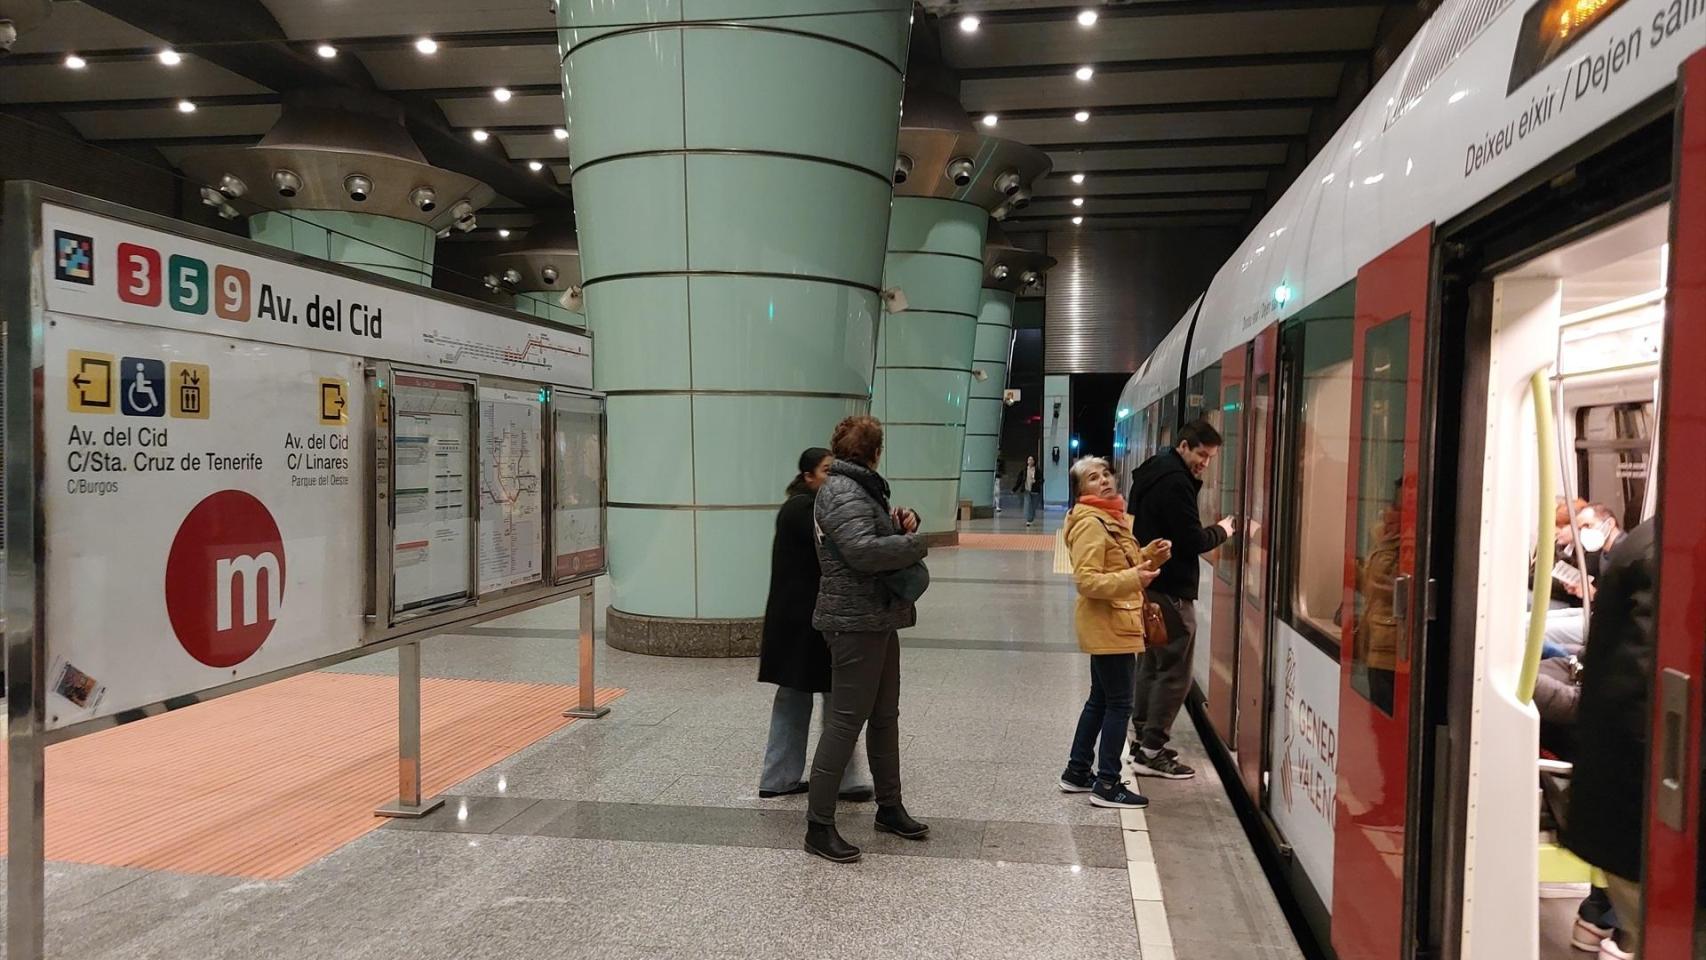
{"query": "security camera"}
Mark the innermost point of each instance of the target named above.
(212, 197)
(549, 275)
(443, 233)
(902, 168)
(1000, 213)
(512, 276)
(1020, 199)
(960, 171)
(1008, 183)
(286, 183)
(232, 186)
(462, 210)
(466, 223)
(358, 187)
(8, 35)
(425, 199)
(1000, 272)
(227, 211)
(491, 282)
(1029, 277)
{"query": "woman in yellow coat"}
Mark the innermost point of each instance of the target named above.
(1110, 570)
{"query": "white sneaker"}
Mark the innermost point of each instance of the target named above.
(1587, 936)
(1609, 950)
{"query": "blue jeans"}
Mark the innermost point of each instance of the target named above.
(1106, 714)
(785, 754)
(1033, 503)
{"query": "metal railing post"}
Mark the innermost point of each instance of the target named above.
(26, 918)
(587, 707)
(409, 803)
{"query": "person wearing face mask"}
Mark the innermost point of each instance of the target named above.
(1163, 506)
(1597, 532)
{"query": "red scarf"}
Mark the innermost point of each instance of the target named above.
(1113, 506)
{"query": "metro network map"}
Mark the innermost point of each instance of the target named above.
(511, 489)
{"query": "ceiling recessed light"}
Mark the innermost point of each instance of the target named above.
(560, 133)
(481, 136)
(426, 45)
(170, 58)
(1077, 220)
(1087, 18)
(502, 232)
(326, 51)
(1082, 116)
(968, 24)
(1078, 201)
(185, 106)
(535, 166)
(1078, 178)
(501, 94)
(1084, 73)
(990, 119)
(75, 62)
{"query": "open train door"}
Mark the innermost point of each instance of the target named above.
(1671, 885)
(1378, 619)
(1252, 685)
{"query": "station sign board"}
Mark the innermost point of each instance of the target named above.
(207, 480)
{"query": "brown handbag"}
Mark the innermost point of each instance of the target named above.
(1154, 625)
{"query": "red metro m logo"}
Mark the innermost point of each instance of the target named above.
(225, 578)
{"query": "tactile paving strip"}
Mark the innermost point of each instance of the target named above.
(1031, 542)
(262, 783)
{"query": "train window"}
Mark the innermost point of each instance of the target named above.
(1613, 445)
(1376, 629)
(1318, 433)
(1204, 401)
(1231, 468)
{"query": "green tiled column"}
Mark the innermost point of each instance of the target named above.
(924, 357)
(384, 245)
(984, 409)
(549, 306)
(732, 188)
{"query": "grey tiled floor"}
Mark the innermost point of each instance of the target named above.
(642, 834)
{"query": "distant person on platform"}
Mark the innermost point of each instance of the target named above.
(793, 655)
(873, 572)
(1030, 486)
(1163, 506)
(1608, 800)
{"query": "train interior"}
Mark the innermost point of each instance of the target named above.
(1570, 457)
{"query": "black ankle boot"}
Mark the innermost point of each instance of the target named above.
(897, 821)
(825, 841)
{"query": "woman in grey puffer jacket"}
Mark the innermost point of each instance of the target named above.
(859, 538)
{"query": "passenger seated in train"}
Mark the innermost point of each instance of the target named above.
(1599, 530)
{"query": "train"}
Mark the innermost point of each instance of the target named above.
(1486, 292)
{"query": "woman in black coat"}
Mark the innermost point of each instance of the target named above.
(793, 654)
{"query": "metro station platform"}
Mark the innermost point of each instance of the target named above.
(641, 835)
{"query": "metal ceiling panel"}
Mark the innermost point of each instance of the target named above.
(121, 79)
(1093, 185)
(530, 146)
(77, 26)
(323, 19)
(1159, 86)
(1167, 126)
(168, 122)
(1134, 158)
(1060, 206)
(483, 111)
(1000, 44)
(455, 66)
(1160, 221)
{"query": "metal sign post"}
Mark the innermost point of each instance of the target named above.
(209, 487)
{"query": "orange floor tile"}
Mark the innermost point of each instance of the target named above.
(262, 783)
(1032, 542)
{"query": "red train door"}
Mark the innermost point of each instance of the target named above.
(1223, 623)
(1378, 617)
(1252, 684)
(1673, 788)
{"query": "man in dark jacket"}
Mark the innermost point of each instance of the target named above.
(1163, 505)
(1608, 788)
